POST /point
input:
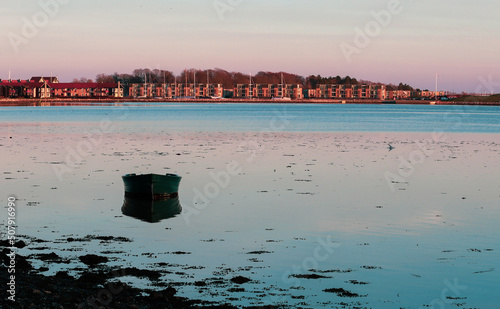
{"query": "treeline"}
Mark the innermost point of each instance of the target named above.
(229, 79)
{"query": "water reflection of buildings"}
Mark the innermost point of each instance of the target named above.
(151, 210)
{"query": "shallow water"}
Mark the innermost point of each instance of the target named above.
(175, 117)
(410, 227)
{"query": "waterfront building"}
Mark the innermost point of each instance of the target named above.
(268, 91)
(150, 90)
(42, 87)
(86, 90)
(24, 88)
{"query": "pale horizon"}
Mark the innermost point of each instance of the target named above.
(407, 42)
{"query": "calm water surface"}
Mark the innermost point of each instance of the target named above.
(256, 117)
(316, 192)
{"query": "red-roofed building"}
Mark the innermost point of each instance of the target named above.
(40, 87)
(81, 90)
(24, 88)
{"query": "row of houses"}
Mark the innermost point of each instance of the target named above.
(50, 87)
(270, 91)
(359, 91)
(151, 90)
(216, 90)
(362, 91)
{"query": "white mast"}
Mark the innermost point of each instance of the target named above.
(250, 89)
(436, 85)
(282, 88)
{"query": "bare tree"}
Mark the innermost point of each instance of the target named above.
(104, 78)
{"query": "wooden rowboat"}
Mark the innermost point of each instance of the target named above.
(151, 186)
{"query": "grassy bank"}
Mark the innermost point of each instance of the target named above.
(489, 99)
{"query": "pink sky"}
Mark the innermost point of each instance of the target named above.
(387, 41)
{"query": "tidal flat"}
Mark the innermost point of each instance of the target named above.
(290, 219)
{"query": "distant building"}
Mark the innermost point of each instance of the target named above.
(47, 87)
(269, 91)
(150, 90)
(342, 91)
(24, 88)
(86, 90)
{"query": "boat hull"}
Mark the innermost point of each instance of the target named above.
(151, 186)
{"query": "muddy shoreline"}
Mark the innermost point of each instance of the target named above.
(97, 286)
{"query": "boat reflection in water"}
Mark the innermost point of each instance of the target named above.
(151, 210)
(151, 197)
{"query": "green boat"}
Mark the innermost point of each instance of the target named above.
(150, 210)
(151, 186)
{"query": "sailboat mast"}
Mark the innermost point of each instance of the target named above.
(250, 88)
(436, 85)
(282, 90)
